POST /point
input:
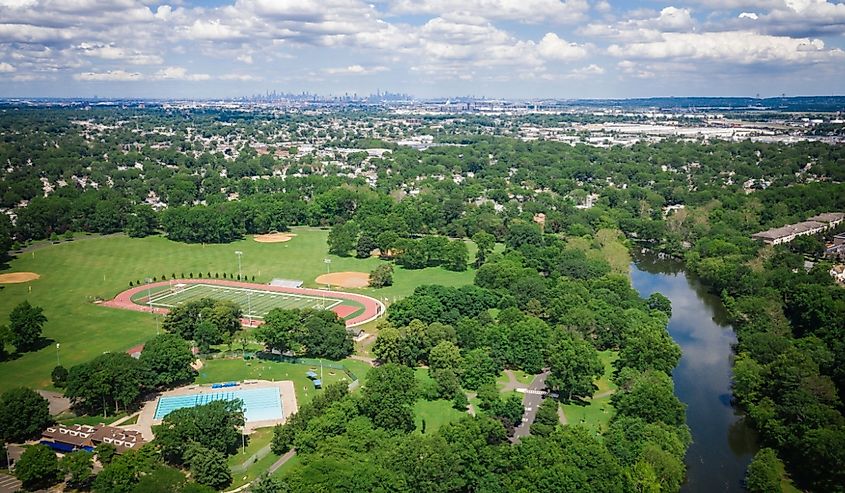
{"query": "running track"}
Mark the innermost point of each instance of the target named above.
(372, 307)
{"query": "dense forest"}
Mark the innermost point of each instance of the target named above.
(213, 177)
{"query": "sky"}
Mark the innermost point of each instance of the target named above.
(426, 48)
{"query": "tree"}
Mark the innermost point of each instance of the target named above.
(59, 376)
(25, 323)
(365, 246)
(38, 467)
(5, 338)
(455, 256)
(23, 414)
(268, 484)
(546, 419)
(647, 344)
(79, 467)
(650, 396)
(213, 426)
(106, 382)
(167, 360)
(105, 453)
(445, 364)
(207, 334)
(390, 390)
(764, 472)
(478, 369)
(342, 238)
(381, 276)
(162, 479)
(142, 222)
(208, 467)
(573, 366)
(485, 242)
(657, 301)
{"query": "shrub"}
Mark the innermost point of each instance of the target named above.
(131, 284)
(59, 376)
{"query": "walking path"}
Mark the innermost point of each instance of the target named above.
(273, 468)
(512, 383)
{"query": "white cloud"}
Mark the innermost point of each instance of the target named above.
(112, 52)
(588, 71)
(6, 68)
(111, 75)
(552, 47)
(240, 77)
(178, 73)
(355, 70)
(748, 15)
(738, 47)
(524, 11)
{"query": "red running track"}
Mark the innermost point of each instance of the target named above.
(373, 308)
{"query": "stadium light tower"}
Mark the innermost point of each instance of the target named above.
(248, 291)
(58, 362)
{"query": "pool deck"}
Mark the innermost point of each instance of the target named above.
(285, 387)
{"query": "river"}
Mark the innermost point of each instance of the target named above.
(723, 444)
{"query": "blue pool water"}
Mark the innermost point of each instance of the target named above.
(259, 404)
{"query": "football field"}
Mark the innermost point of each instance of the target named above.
(257, 302)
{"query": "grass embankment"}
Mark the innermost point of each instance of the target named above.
(74, 274)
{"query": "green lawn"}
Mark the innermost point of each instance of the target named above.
(256, 469)
(224, 370)
(258, 439)
(596, 413)
(74, 274)
(435, 414)
(287, 467)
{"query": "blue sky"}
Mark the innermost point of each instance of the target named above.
(428, 48)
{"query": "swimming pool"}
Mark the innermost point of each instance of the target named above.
(259, 404)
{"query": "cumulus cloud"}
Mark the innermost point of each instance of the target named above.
(6, 68)
(739, 47)
(524, 11)
(552, 47)
(588, 71)
(112, 52)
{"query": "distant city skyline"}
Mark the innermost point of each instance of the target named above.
(518, 49)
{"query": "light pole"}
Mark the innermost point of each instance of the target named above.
(328, 263)
(248, 291)
(147, 280)
(58, 362)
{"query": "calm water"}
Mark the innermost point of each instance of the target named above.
(722, 444)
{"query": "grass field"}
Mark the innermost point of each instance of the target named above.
(74, 274)
(254, 302)
(435, 414)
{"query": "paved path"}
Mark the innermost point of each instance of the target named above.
(58, 402)
(275, 467)
(512, 383)
(562, 416)
(8, 484)
(531, 401)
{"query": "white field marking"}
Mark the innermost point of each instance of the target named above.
(155, 299)
(240, 297)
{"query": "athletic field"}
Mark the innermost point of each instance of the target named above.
(254, 302)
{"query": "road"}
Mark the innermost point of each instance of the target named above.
(9, 484)
(531, 401)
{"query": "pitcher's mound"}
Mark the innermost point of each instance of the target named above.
(274, 237)
(18, 277)
(345, 279)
